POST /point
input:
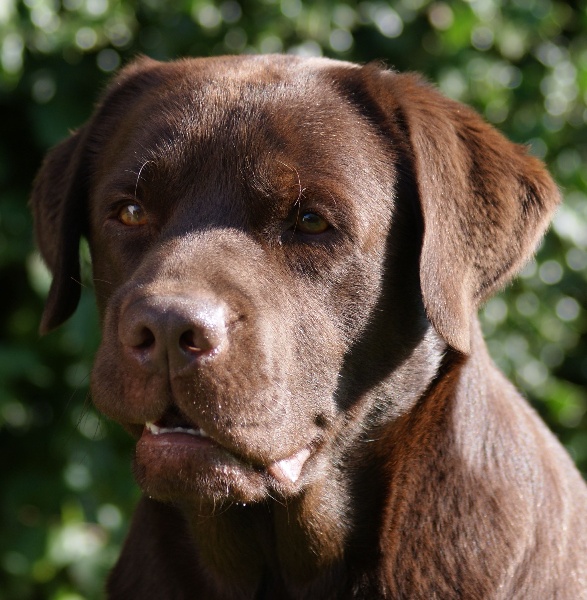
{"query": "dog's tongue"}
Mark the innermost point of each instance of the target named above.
(289, 469)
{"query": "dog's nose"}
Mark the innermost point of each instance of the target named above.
(159, 332)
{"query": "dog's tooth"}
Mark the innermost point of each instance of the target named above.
(199, 432)
(156, 430)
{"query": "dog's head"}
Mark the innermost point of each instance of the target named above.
(282, 250)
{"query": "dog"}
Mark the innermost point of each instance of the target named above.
(288, 257)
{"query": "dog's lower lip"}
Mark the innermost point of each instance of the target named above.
(286, 470)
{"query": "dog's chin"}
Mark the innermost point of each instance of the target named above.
(185, 465)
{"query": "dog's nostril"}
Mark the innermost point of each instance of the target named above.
(145, 339)
(188, 342)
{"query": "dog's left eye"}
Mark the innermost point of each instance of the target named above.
(311, 223)
(132, 215)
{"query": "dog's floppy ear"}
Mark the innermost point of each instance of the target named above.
(58, 203)
(485, 202)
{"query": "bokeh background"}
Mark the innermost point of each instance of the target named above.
(65, 485)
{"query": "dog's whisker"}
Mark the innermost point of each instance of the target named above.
(80, 283)
(138, 174)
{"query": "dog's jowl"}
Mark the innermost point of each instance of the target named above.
(288, 257)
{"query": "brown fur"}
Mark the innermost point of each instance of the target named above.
(353, 354)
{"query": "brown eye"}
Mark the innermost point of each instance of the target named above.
(132, 215)
(311, 223)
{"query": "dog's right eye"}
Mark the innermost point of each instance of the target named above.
(311, 223)
(132, 215)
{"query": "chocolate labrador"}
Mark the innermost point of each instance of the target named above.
(288, 256)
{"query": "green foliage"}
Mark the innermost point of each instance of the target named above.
(67, 490)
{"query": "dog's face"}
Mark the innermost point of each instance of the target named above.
(282, 251)
(232, 247)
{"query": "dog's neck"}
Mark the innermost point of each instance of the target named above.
(280, 545)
